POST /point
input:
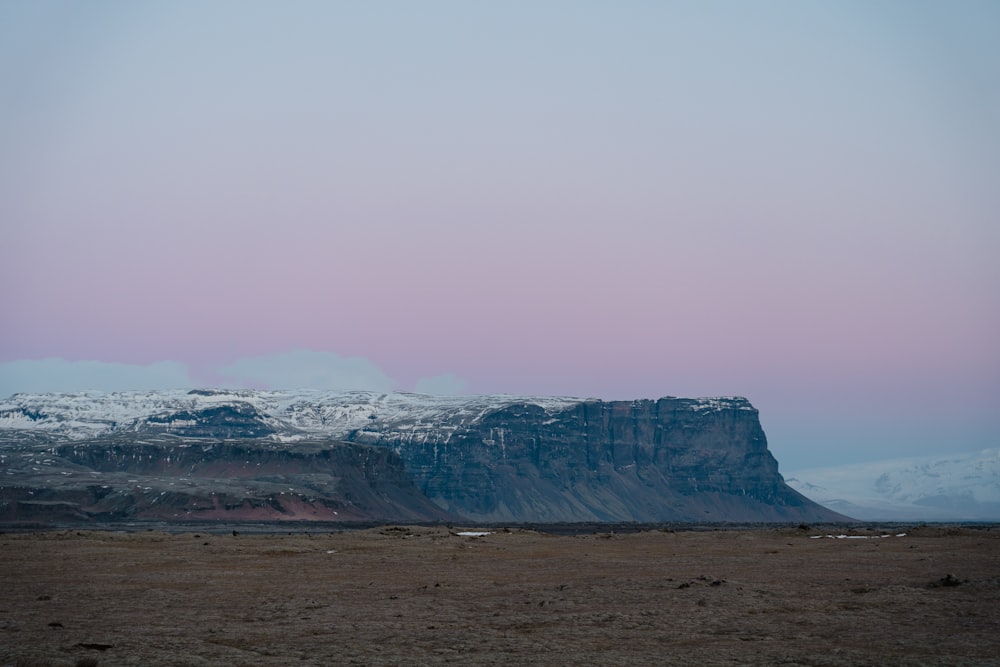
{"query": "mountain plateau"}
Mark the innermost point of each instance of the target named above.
(271, 455)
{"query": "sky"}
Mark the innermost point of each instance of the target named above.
(797, 202)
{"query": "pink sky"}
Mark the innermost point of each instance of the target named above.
(793, 203)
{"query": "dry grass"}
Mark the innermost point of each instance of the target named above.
(404, 596)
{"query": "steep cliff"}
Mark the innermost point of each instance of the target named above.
(122, 476)
(670, 459)
(486, 458)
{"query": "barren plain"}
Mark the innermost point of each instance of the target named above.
(408, 595)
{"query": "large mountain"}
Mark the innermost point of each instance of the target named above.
(396, 456)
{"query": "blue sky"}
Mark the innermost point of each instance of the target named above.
(790, 201)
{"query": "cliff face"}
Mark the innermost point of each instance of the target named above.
(486, 458)
(670, 459)
(121, 477)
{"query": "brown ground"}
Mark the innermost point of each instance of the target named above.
(405, 596)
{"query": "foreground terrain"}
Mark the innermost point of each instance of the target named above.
(416, 595)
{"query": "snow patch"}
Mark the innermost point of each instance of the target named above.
(295, 414)
(855, 537)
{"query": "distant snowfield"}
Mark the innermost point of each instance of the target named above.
(958, 487)
(844, 536)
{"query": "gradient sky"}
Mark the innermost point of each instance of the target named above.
(793, 201)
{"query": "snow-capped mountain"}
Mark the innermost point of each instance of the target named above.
(290, 414)
(959, 487)
(488, 458)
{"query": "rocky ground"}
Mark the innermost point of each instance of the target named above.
(410, 595)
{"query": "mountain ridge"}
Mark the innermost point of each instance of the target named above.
(484, 458)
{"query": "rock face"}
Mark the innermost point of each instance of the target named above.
(674, 458)
(122, 476)
(361, 455)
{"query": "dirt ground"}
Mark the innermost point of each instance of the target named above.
(424, 596)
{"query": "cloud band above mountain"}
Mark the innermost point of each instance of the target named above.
(294, 369)
(60, 375)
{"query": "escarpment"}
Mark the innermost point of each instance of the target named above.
(123, 477)
(260, 455)
(669, 459)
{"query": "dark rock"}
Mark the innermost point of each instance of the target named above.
(673, 459)
(172, 478)
(947, 581)
(96, 646)
(234, 420)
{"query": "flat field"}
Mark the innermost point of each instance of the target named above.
(401, 595)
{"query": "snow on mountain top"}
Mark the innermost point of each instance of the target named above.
(962, 486)
(333, 413)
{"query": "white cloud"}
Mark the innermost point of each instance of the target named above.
(308, 369)
(60, 375)
(443, 385)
